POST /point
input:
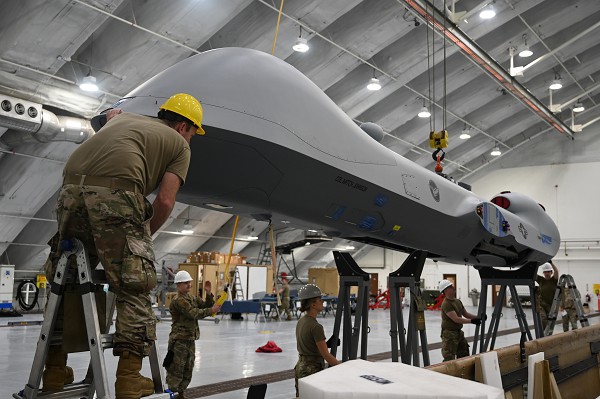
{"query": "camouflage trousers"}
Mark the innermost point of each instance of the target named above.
(454, 345)
(179, 372)
(307, 366)
(570, 317)
(113, 226)
(285, 307)
(543, 312)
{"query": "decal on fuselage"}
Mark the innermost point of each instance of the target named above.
(523, 231)
(546, 240)
(435, 191)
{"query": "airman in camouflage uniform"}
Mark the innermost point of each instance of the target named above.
(454, 315)
(546, 290)
(103, 203)
(568, 305)
(185, 310)
(284, 295)
(310, 336)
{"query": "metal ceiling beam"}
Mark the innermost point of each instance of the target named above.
(431, 15)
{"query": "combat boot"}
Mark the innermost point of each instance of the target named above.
(56, 372)
(130, 384)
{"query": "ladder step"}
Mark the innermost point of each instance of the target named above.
(96, 385)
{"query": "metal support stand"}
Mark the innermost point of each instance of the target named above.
(408, 275)
(566, 281)
(95, 384)
(351, 275)
(506, 279)
(164, 284)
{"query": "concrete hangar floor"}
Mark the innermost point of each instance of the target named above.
(225, 353)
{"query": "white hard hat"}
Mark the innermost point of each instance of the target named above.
(546, 267)
(182, 276)
(444, 284)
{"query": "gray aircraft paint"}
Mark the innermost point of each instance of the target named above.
(277, 147)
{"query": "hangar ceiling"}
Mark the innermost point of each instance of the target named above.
(47, 48)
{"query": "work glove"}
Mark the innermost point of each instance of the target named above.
(330, 342)
(476, 321)
(168, 359)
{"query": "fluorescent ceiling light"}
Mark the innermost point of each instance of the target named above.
(525, 53)
(187, 228)
(578, 107)
(464, 135)
(424, 113)
(349, 247)
(301, 45)
(487, 12)
(88, 84)
(374, 84)
(555, 85)
(496, 151)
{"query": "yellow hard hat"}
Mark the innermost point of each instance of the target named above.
(187, 106)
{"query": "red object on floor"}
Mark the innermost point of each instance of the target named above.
(270, 347)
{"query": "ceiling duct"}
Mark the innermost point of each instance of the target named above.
(28, 122)
(19, 114)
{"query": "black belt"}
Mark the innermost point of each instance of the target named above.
(101, 181)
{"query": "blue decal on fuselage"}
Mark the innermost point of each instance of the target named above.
(546, 240)
(380, 200)
(338, 213)
(368, 223)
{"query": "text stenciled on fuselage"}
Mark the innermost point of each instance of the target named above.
(350, 183)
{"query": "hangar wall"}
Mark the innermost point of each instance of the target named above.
(569, 192)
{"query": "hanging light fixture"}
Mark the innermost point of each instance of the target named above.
(465, 133)
(374, 85)
(251, 236)
(556, 83)
(88, 83)
(187, 228)
(578, 107)
(496, 151)
(487, 12)
(424, 112)
(526, 52)
(301, 45)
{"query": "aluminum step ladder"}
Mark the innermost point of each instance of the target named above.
(565, 281)
(237, 284)
(95, 384)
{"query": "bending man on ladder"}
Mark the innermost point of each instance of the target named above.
(103, 204)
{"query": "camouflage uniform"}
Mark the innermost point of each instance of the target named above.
(113, 226)
(102, 203)
(185, 310)
(285, 301)
(545, 296)
(568, 304)
(454, 344)
(310, 361)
